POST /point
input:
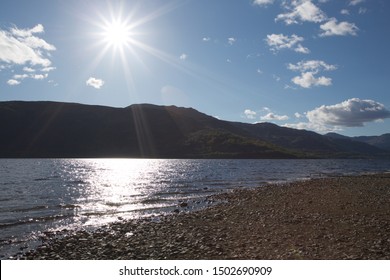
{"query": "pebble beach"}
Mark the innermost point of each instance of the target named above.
(344, 217)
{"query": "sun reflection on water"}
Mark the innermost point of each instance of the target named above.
(105, 189)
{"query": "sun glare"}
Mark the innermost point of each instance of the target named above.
(117, 34)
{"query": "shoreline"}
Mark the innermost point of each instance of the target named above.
(327, 218)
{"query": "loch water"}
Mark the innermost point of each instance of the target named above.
(46, 195)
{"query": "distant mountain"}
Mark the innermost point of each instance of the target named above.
(382, 141)
(55, 129)
(309, 142)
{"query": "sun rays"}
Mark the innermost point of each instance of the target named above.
(117, 34)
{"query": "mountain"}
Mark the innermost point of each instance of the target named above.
(56, 129)
(309, 142)
(382, 141)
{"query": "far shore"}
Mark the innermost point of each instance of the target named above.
(331, 218)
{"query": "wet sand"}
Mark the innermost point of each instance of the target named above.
(330, 218)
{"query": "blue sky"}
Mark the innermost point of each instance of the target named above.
(321, 65)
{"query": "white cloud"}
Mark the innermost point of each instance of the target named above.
(302, 49)
(28, 69)
(332, 28)
(20, 47)
(308, 80)
(350, 113)
(274, 117)
(353, 112)
(183, 56)
(231, 40)
(263, 2)
(48, 69)
(206, 39)
(301, 10)
(13, 82)
(39, 76)
(250, 114)
(355, 2)
(279, 42)
(344, 12)
(93, 82)
(21, 76)
(298, 115)
(309, 69)
(311, 65)
(27, 32)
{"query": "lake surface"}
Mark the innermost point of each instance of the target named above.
(42, 195)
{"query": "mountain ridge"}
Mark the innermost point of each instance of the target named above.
(59, 129)
(381, 141)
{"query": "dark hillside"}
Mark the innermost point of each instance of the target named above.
(55, 129)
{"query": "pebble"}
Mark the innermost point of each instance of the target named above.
(265, 223)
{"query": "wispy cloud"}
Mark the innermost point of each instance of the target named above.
(28, 69)
(274, 117)
(355, 2)
(278, 42)
(362, 11)
(332, 28)
(13, 82)
(19, 77)
(231, 40)
(269, 115)
(93, 82)
(48, 69)
(263, 2)
(311, 65)
(183, 56)
(39, 76)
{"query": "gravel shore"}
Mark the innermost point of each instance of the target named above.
(330, 218)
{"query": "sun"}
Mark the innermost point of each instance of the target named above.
(117, 34)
